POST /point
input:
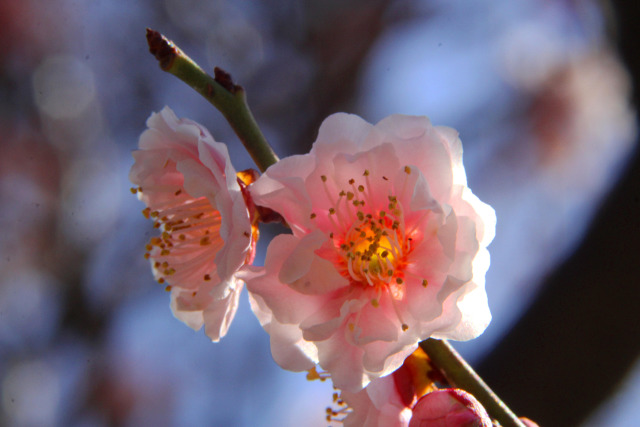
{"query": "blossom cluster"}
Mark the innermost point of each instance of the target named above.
(388, 247)
(409, 397)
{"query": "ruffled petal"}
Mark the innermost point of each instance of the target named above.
(288, 348)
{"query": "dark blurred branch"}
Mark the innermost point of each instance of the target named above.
(340, 37)
(579, 340)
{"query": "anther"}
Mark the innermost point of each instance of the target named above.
(405, 327)
(177, 193)
(366, 172)
(167, 288)
(399, 281)
(207, 277)
(313, 374)
(407, 170)
(323, 178)
(312, 216)
(134, 190)
(424, 283)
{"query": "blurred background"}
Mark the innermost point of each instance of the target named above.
(541, 92)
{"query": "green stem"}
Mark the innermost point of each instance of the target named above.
(227, 97)
(461, 375)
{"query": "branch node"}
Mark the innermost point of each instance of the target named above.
(225, 80)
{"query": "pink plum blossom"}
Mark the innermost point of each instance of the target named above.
(388, 248)
(195, 198)
(388, 401)
(409, 398)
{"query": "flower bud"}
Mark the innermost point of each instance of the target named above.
(449, 407)
(527, 422)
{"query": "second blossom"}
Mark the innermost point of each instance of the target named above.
(388, 248)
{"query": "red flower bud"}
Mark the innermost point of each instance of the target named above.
(449, 407)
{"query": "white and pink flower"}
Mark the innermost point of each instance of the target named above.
(408, 397)
(388, 248)
(195, 197)
(380, 405)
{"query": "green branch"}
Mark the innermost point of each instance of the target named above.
(227, 97)
(461, 375)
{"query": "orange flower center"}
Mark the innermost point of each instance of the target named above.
(372, 241)
(184, 254)
(374, 249)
